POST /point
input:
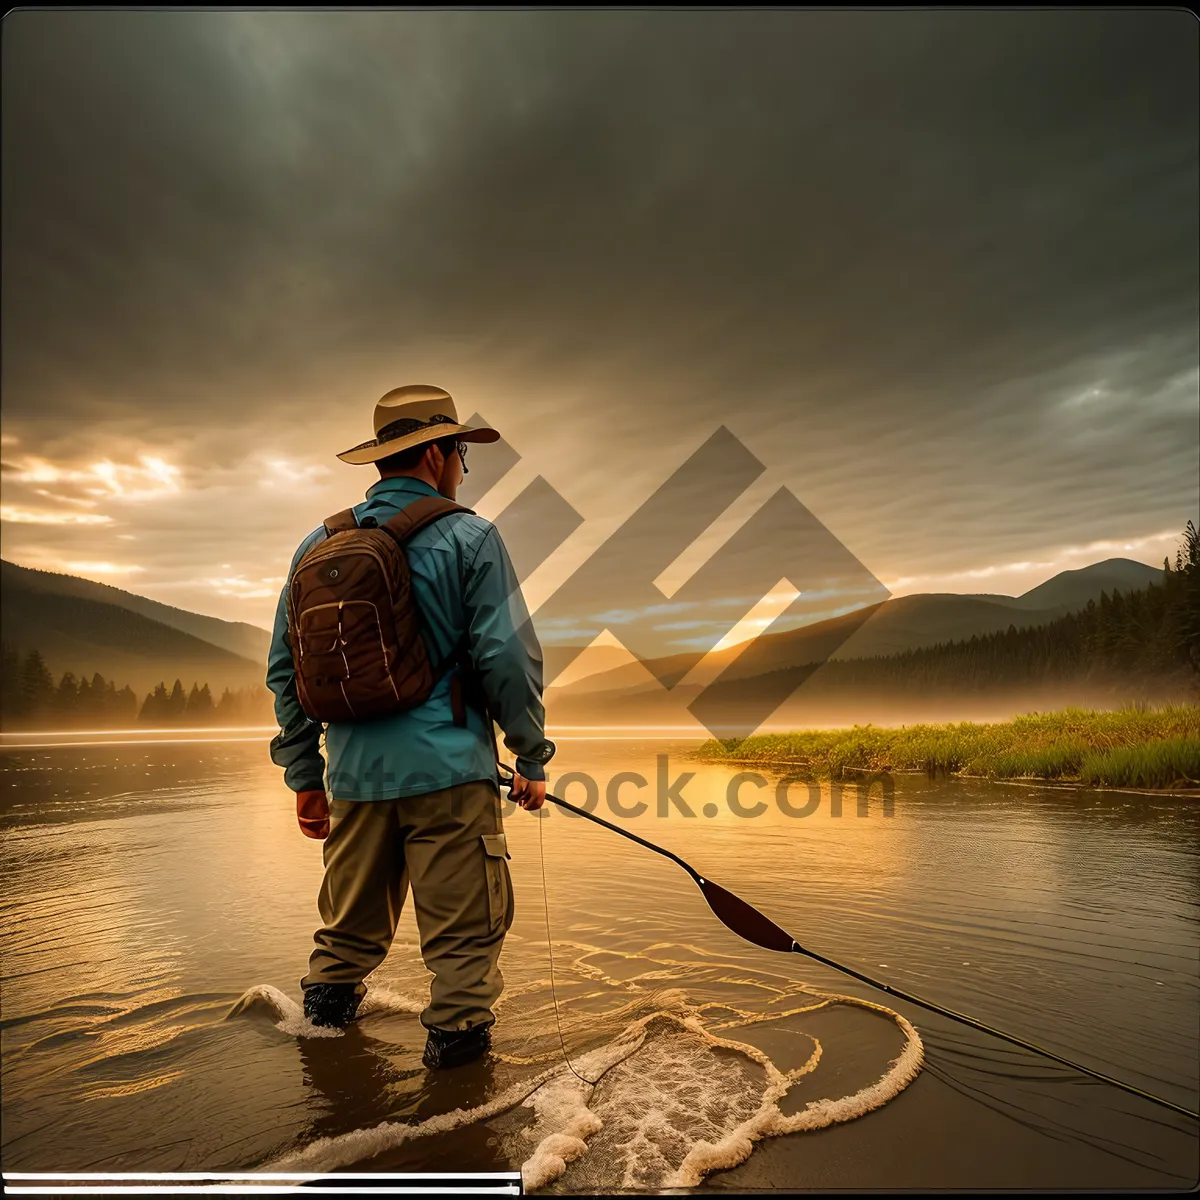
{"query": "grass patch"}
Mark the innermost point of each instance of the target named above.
(1136, 746)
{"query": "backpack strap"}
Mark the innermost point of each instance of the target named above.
(466, 689)
(340, 522)
(415, 516)
(408, 521)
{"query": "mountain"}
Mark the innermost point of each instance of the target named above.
(904, 623)
(1071, 590)
(78, 632)
(238, 637)
(80, 625)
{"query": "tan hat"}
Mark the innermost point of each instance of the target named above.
(408, 416)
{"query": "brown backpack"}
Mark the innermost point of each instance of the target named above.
(353, 622)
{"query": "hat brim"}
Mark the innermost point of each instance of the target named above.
(373, 451)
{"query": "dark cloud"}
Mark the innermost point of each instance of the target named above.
(885, 248)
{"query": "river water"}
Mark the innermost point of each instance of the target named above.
(157, 905)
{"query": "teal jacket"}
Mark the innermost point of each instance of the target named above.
(464, 583)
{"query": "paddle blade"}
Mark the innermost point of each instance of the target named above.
(745, 921)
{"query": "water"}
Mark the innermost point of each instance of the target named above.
(157, 905)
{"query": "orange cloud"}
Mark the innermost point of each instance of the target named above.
(26, 516)
(284, 474)
(151, 476)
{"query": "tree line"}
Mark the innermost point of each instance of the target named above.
(29, 696)
(1145, 634)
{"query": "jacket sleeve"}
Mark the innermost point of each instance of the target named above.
(297, 746)
(507, 656)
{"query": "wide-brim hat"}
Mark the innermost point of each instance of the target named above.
(408, 416)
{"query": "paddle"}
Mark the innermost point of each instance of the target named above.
(747, 922)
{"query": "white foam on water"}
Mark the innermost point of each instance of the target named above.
(327, 1154)
(382, 999)
(663, 1104)
(562, 1106)
(675, 1090)
(706, 1157)
(291, 1018)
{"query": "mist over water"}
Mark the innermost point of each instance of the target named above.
(157, 905)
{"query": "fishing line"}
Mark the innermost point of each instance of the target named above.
(550, 948)
(747, 922)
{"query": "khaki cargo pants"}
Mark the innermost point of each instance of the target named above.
(450, 845)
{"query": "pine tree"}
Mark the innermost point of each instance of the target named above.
(66, 700)
(200, 704)
(37, 686)
(1189, 600)
(1102, 640)
(230, 707)
(176, 703)
(154, 710)
(10, 682)
(99, 698)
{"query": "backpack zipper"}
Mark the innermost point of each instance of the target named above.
(317, 556)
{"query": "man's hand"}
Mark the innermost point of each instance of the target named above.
(312, 811)
(530, 794)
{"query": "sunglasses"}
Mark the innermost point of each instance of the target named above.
(461, 447)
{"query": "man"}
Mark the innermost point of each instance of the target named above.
(414, 797)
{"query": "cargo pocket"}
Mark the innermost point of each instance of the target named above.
(499, 885)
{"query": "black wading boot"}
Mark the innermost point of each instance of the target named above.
(455, 1047)
(331, 1003)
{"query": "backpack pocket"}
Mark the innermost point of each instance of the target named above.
(343, 657)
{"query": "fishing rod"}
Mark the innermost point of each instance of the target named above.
(747, 922)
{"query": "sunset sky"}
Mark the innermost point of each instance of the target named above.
(937, 271)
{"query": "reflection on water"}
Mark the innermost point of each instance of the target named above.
(157, 906)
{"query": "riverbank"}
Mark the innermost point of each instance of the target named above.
(1137, 747)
